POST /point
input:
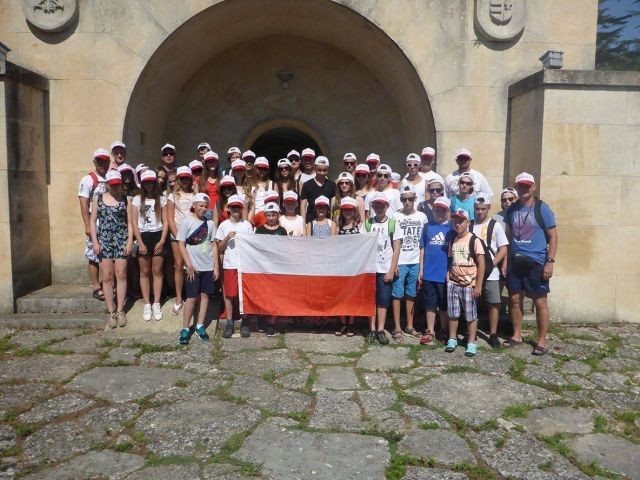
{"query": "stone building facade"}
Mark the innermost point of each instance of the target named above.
(389, 76)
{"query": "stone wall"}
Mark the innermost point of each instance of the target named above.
(579, 133)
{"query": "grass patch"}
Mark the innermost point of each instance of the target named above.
(269, 376)
(302, 417)
(119, 363)
(125, 446)
(147, 348)
(351, 354)
(398, 466)
(139, 437)
(374, 430)
(50, 351)
(500, 441)
(556, 443)
(5, 345)
(600, 424)
(517, 411)
(181, 383)
(517, 369)
(475, 472)
(23, 430)
(629, 419)
(280, 343)
(223, 394)
(429, 426)
(152, 460)
(461, 369)
(22, 352)
(490, 425)
(546, 466)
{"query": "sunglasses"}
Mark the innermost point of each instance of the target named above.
(349, 163)
(168, 154)
(407, 199)
(509, 199)
(362, 174)
(383, 175)
(466, 183)
(436, 190)
(413, 165)
(347, 182)
(284, 168)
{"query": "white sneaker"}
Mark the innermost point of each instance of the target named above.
(157, 311)
(146, 312)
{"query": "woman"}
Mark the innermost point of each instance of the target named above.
(112, 241)
(346, 188)
(209, 184)
(294, 158)
(260, 184)
(243, 187)
(179, 205)
(285, 181)
(150, 228)
(129, 185)
(361, 181)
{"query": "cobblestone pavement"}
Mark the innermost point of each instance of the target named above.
(84, 404)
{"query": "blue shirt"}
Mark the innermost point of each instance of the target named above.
(434, 241)
(528, 237)
(457, 204)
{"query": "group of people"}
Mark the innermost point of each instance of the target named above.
(439, 246)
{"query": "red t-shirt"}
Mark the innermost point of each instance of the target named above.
(214, 194)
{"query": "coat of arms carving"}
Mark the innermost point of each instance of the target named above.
(500, 20)
(50, 15)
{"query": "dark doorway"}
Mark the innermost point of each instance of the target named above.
(277, 142)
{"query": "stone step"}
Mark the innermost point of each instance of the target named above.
(61, 298)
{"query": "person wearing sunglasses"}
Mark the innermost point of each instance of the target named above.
(463, 159)
(306, 167)
(168, 159)
(349, 161)
(118, 154)
(414, 178)
(383, 186)
(294, 158)
(285, 180)
(465, 197)
(427, 161)
(507, 197)
(435, 190)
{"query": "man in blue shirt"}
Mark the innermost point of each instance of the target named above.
(533, 238)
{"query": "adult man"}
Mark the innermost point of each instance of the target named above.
(203, 148)
(463, 159)
(168, 159)
(427, 160)
(492, 233)
(531, 230)
(307, 173)
(349, 160)
(118, 153)
(93, 184)
(383, 185)
(318, 186)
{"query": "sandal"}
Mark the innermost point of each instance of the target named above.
(350, 332)
(426, 338)
(539, 351)
(412, 331)
(397, 336)
(342, 331)
(511, 342)
(98, 294)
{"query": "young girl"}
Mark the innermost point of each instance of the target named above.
(196, 167)
(291, 221)
(285, 180)
(294, 158)
(150, 228)
(171, 182)
(129, 187)
(260, 185)
(227, 188)
(178, 208)
(321, 226)
(112, 241)
(243, 187)
(209, 184)
(161, 174)
(199, 251)
(362, 184)
(346, 188)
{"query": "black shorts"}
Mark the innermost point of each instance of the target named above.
(150, 239)
(202, 283)
(434, 295)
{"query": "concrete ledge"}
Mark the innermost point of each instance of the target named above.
(59, 298)
(22, 75)
(37, 321)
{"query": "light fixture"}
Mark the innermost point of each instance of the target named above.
(552, 59)
(285, 77)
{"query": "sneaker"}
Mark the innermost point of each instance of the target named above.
(228, 331)
(184, 336)
(122, 319)
(494, 341)
(175, 310)
(112, 320)
(271, 331)
(157, 311)
(381, 335)
(260, 324)
(202, 332)
(244, 331)
(371, 337)
(146, 312)
(451, 345)
(471, 350)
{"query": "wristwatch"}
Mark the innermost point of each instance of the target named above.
(550, 260)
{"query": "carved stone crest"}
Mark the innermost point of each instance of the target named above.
(50, 15)
(500, 20)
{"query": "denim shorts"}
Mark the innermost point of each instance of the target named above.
(530, 282)
(383, 291)
(407, 283)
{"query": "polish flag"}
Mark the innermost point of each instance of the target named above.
(307, 276)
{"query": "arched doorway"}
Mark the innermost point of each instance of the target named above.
(277, 142)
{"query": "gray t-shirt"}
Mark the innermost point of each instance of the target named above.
(201, 255)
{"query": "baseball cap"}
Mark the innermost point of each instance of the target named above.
(428, 152)
(293, 153)
(125, 167)
(167, 146)
(203, 145)
(395, 177)
(321, 200)
(363, 168)
(412, 157)
(468, 176)
(233, 150)
(345, 176)
(322, 161)
(384, 168)
(510, 190)
(461, 214)
(140, 167)
(114, 177)
(235, 200)
(248, 154)
(349, 156)
(201, 197)
(148, 176)
(442, 202)
(482, 199)
(238, 165)
(195, 165)
(227, 180)
(435, 180)
(378, 197)
(270, 196)
(118, 143)
(348, 202)
(184, 172)
(525, 178)
(463, 152)
(271, 207)
(289, 196)
(210, 156)
(407, 188)
(308, 152)
(101, 153)
(284, 162)
(373, 158)
(261, 162)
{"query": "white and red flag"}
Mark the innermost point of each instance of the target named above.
(307, 276)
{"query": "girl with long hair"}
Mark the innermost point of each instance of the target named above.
(243, 187)
(285, 180)
(260, 185)
(346, 188)
(209, 184)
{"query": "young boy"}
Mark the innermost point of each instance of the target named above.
(226, 245)
(389, 240)
(410, 222)
(492, 233)
(433, 270)
(464, 281)
(200, 254)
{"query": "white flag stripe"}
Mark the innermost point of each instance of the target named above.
(346, 255)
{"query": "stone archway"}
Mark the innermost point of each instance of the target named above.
(215, 79)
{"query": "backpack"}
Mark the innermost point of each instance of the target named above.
(392, 226)
(537, 214)
(488, 253)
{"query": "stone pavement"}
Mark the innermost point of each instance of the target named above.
(80, 404)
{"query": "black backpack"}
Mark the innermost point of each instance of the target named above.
(488, 253)
(537, 214)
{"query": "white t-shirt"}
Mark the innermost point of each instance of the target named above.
(410, 227)
(295, 227)
(183, 204)
(498, 239)
(86, 190)
(259, 194)
(384, 253)
(305, 177)
(393, 197)
(147, 221)
(230, 260)
(480, 183)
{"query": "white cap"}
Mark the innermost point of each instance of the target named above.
(271, 207)
(345, 176)
(363, 168)
(210, 155)
(384, 168)
(235, 200)
(167, 146)
(195, 164)
(125, 167)
(482, 198)
(233, 150)
(118, 143)
(284, 162)
(466, 175)
(271, 195)
(378, 197)
(148, 176)
(101, 153)
(407, 188)
(348, 202)
(289, 196)
(184, 172)
(227, 180)
(442, 202)
(428, 152)
(261, 162)
(395, 177)
(113, 177)
(412, 157)
(322, 200)
(308, 152)
(201, 197)
(140, 167)
(373, 158)
(349, 156)
(238, 165)
(510, 190)
(203, 145)
(461, 213)
(293, 153)
(322, 161)
(463, 152)
(435, 180)
(525, 178)
(248, 154)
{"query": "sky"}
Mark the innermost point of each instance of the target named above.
(621, 7)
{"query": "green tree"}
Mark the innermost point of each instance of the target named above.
(612, 52)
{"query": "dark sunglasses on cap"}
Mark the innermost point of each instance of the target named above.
(407, 199)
